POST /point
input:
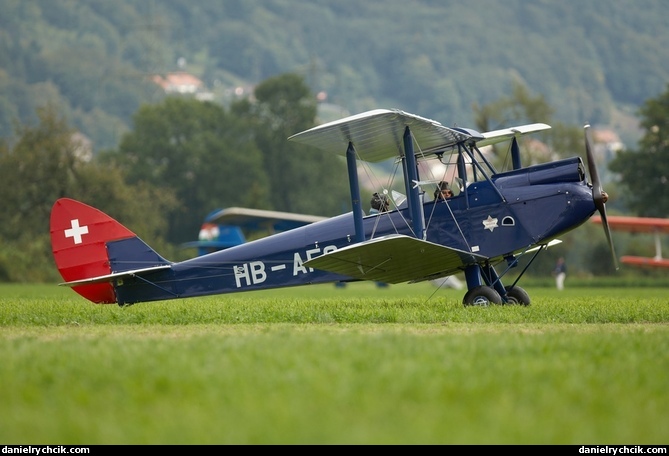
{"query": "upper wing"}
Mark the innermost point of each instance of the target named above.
(636, 224)
(378, 135)
(258, 219)
(506, 134)
(395, 259)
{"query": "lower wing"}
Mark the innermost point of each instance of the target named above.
(395, 259)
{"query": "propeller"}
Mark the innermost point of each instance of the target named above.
(599, 196)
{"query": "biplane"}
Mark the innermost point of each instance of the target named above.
(493, 219)
(646, 225)
(225, 228)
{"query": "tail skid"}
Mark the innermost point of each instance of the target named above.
(91, 250)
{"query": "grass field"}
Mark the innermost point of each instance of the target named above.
(407, 364)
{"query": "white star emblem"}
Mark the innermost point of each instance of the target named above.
(490, 223)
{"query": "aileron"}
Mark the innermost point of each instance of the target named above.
(506, 134)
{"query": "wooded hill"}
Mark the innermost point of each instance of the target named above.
(594, 62)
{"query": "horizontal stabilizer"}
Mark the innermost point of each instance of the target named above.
(496, 136)
(114, 276)
(395, 259)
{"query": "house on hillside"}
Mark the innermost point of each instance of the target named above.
(607, 144)
(183, 83)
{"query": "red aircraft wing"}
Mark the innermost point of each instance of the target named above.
(650, 225)
(636, 224)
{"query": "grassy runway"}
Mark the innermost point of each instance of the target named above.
(407, 364)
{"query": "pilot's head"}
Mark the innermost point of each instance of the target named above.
(380, 202)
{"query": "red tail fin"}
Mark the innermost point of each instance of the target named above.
(79, 234)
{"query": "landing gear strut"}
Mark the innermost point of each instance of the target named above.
(493, 292)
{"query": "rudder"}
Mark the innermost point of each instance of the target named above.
(79, 236)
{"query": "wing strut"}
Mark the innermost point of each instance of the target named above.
(515, 153)
(355, 192)
(411, 176)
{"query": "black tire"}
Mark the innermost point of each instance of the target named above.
(517, 295)
(482, 296)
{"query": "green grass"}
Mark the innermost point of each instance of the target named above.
(406, 364)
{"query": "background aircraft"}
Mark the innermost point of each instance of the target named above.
(646, 225)
(225, 228)
(493, 219)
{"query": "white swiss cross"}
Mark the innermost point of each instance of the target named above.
(76, 231)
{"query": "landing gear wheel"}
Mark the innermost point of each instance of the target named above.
(482, 296)
(517, 295)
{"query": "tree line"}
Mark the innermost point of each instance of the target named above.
(95, 58)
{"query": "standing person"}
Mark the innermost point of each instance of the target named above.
(560, 273)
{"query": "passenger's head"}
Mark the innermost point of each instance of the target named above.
(443, 191)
